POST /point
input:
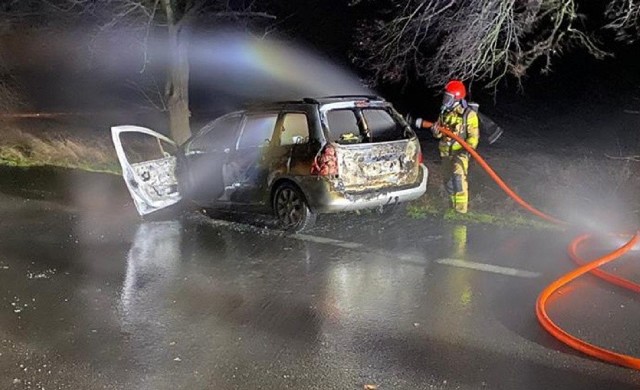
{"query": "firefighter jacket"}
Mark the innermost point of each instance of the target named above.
(464, 123)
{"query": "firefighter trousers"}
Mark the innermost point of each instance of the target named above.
(456, 167)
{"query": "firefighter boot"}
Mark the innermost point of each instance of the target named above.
(460, 202)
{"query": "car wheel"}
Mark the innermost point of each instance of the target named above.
(392, 209)
(291, 209)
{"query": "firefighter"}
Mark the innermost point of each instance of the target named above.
(462, 120)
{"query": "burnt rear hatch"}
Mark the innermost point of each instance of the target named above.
(375, 148)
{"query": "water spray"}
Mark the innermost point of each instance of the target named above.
(584, 267)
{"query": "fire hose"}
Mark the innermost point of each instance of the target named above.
(584, 267)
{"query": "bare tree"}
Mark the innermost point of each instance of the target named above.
(10, 97)
(175, 17)
(469, 39)
(625, 19)
(12, 13)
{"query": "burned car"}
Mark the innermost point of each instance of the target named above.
(297, 158)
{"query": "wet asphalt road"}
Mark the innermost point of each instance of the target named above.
(92, 298)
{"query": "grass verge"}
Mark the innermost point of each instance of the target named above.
(502, 220)
(23, 149)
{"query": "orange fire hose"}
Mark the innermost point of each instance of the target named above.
(541, 312)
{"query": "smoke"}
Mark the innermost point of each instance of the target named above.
(253, 68)
(78, 69)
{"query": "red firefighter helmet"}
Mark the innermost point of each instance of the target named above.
(454, 91)
(456, 88)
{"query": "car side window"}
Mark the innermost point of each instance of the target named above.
(139, 147)
(257, 131)
(294, 130)
(216, 136)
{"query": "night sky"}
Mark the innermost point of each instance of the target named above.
(327, 27)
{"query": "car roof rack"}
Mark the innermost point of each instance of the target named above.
(341, 97)
(253, 105)
(310, 100)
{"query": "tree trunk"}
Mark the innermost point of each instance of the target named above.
(177, 88)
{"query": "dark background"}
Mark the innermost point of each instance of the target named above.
(61, 80)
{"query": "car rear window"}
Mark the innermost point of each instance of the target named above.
(361, 125)
(382, 126)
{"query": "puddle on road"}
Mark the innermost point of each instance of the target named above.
(191, 292)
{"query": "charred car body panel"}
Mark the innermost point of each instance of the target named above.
(331, 154)
(152, 184)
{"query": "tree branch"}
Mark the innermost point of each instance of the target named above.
(624, 16)
(469, 39)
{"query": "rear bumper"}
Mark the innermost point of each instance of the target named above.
(323, 199)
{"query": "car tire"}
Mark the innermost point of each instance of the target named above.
(291, 209)
(393, 210)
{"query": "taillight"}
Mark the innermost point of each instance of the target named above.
(420, 157)
(326, 163)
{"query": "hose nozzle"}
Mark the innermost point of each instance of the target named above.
(422, 124)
